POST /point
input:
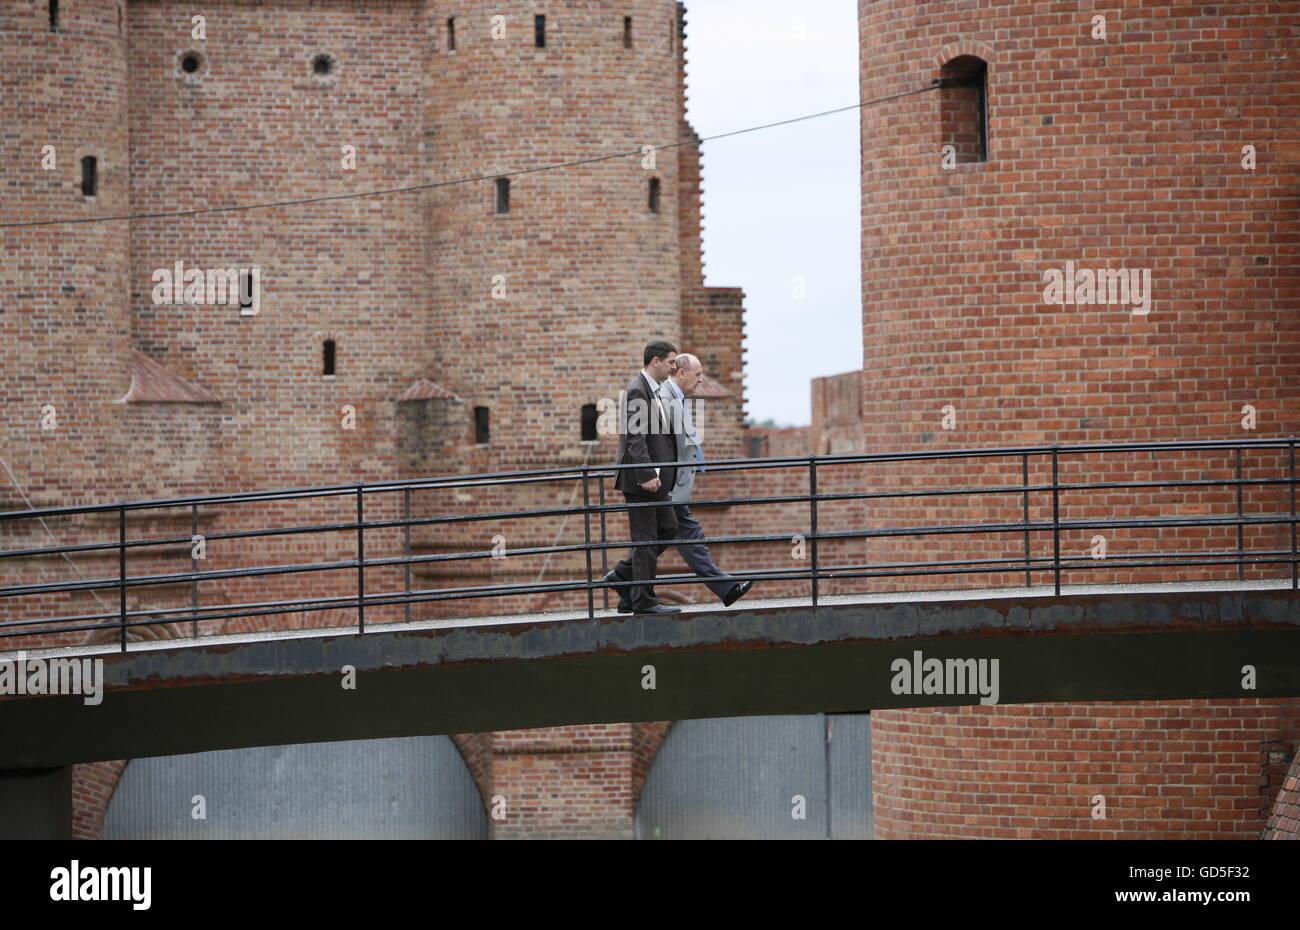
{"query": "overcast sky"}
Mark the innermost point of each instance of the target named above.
(782, 203)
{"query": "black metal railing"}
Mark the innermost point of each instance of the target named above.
(595, 542)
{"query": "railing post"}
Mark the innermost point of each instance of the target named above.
(1240, 513)
(1294, 579)
(1056, 521)
(586, 543)
(604, 553)
(361, 566)
(121, 569)
(812, 513)
(1024, 470)
(406, 546)
(194, 569)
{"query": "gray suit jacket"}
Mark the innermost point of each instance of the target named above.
(687, 451)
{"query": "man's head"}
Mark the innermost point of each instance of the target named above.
(658, 357)
(687, 373)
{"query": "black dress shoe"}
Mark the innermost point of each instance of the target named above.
(736, 593)
(660, 609)
(624, 601)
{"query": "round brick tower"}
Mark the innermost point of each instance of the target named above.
(1160, 140)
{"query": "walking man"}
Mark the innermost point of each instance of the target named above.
(686, 374)
(645, 436)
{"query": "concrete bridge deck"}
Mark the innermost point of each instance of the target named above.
(777, 656)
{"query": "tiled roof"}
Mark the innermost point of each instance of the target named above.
(1284, 821)
(710, 388)
(424, 389)
(152, 383)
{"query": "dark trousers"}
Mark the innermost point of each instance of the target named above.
(696, 555)
(649, 525)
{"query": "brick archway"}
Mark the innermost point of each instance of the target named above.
(964, 47)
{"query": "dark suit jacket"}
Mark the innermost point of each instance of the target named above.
(643, 436)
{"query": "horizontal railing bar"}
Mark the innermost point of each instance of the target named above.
(612, 508)
(1227, 561)
(452, 481)
(343, 603)
(979, 566)
(1032, 488)
(185, 614)
(1001, 565)
(919, 530)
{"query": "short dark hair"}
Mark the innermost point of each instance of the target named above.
(657, 349)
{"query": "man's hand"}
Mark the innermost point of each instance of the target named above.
(650, 486)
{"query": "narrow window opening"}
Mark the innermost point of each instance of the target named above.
(54, 15)
(627, 32)
(756, 447)
(539, 30)
(119, 19)
(451, 33)
(672, 36)
(654, 195)
(322, 65)
(503, 195)
(327, 360)
(588, 422)
(89, 175)
(481, 425)
(963, 108)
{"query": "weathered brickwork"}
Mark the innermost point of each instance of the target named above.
(531, 313)
(1148, 770)
(1117, 153)
(780, 442)
(837, 414)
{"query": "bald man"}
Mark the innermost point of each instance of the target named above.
(685, 376)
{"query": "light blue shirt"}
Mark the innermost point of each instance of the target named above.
(654, 392)
(689, 425)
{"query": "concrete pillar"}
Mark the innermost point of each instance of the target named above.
(36, 804)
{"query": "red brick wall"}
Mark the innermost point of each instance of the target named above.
(1165, 769)
(1123, 153)
(65, 329)
(782, 442)
(566, 782)
(403, 284)
(837, 414)
(572, 782)
(92, 788)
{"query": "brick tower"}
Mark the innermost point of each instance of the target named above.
(1116, 139)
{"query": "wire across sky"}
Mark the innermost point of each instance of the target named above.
(384, 192)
